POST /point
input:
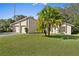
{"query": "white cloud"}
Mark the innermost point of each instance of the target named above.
(39, 3)
(44, 3)
(34, 4)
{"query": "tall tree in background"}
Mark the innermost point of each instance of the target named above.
(19, 17)
(50, 16)
(71, 15)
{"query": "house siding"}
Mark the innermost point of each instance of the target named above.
(32, 25)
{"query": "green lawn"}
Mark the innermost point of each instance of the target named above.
(39, 45)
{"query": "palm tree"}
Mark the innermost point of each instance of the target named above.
(50, 16)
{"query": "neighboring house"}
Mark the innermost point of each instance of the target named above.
(27, 22)
(65, 28)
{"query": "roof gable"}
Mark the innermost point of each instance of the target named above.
(26, 18)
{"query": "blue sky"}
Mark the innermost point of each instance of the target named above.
(28, 9)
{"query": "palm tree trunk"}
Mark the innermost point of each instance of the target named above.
(44, 28)
(49, 26)
(45, 32)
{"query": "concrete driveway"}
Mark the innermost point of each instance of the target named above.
(7, 33)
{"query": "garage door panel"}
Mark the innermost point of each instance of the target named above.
(23, 29)
(17, 30)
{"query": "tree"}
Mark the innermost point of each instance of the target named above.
(18, 17)
(71, 15)
(50, 16)
(5, 25)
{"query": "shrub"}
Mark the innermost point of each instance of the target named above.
(75, 30)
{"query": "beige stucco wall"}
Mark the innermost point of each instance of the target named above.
(23, 22)
(32, 25)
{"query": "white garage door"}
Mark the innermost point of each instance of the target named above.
(17, 29)
(23, 29)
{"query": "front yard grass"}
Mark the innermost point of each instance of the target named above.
(39, 45)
